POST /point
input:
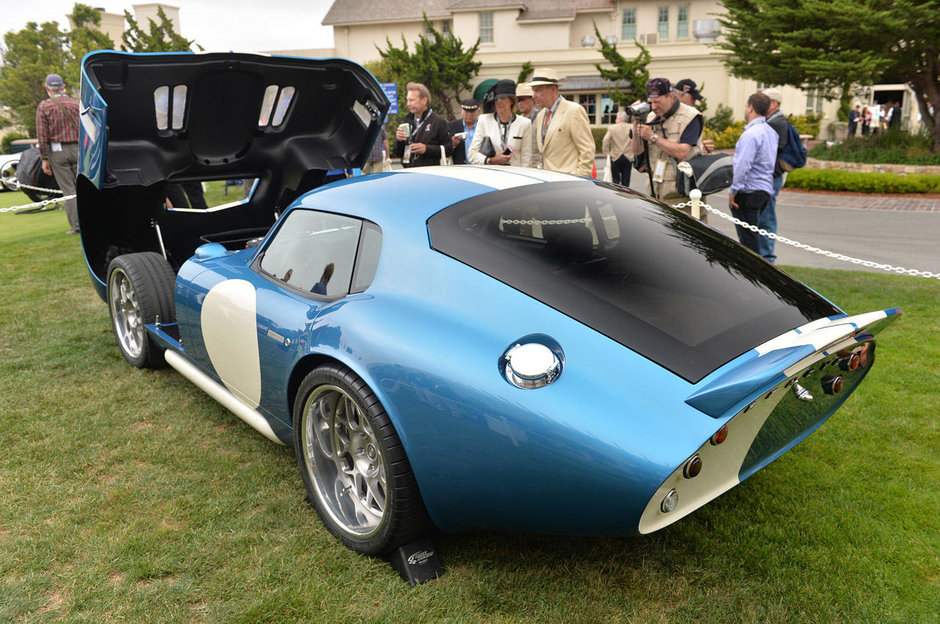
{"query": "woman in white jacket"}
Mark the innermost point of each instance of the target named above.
(508, 133)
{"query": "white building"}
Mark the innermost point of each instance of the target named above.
(560, 34)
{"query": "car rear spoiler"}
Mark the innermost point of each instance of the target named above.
(777, 359)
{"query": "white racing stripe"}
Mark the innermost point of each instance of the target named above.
(821, 332)
(498, 178)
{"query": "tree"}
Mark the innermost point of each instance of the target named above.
(439, 62)
(37, 50)
(834, 45)
(524, 72)
(160, 37)
(631, 74)
(84, 38)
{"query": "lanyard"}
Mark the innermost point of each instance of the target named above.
(419, 123)
(504, 128)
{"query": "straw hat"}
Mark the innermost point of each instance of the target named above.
(544, 76)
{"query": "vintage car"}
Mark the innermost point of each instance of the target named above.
(463, 347)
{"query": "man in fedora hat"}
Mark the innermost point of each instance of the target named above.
(562, 130)
(57, 133)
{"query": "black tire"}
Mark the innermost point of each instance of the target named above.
(140, 288)
(353, 465)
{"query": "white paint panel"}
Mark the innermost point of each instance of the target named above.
(229, 331)
(820, 332)
(498, 178)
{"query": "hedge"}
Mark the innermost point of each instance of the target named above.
(862, 182)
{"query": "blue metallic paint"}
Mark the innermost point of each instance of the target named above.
(426, 338)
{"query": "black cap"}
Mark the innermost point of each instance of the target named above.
(687, 85)
(469, 104)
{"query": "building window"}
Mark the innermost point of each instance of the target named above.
(608, 110)
(589, 102)
(486, 27)
(662, 25)
(447, 27)
(814, 103)
(682, 23)
(628, 29)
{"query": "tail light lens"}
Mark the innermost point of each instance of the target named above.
(720, 436)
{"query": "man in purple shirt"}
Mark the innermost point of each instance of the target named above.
(754, 157)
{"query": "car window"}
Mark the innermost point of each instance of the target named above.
(682, 295)
(314, 252)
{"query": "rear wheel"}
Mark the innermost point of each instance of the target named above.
(353, 464)
(140, 289)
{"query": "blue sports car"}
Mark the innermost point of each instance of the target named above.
(463, 347)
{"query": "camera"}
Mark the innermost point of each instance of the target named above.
(639, 111)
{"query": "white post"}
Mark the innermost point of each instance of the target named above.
(696, 196)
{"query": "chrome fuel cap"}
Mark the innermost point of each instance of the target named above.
(531, 365)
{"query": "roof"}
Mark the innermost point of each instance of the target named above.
(590, 83)
(372, 11)
(385, 11)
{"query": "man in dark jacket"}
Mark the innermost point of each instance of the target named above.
(426, 136)
(461, 130)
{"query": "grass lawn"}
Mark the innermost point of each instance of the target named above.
(130, 496)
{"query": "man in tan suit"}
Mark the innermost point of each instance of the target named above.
(562, 130)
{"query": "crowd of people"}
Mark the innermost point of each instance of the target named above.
(524, 125)
(874, 118)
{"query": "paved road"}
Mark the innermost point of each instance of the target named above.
(900, 231)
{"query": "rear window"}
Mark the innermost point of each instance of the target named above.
(647, 276)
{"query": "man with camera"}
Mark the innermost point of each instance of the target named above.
(670, 133)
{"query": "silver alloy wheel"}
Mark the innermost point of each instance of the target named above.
(344, 461)
(128, 325)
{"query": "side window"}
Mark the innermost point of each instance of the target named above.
(314, 252)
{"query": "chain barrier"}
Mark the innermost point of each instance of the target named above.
(16, 186)
(829, 254)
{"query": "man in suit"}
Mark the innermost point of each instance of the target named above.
(424, 137)
(461, 130)
(562, 130)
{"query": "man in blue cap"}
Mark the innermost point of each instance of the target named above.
(57, 132)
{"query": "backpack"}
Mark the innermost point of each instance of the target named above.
(793, 155)
(710, 173)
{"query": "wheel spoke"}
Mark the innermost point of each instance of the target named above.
(345, 460)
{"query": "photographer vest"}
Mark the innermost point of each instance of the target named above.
(672, 128)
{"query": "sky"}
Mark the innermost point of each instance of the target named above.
(216, 25)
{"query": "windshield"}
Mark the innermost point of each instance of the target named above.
(647, 276)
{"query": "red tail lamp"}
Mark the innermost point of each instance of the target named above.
(692, 467)
(850, 363)
(832, 385)
(720, 436)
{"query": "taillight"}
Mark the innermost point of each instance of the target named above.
(720, 436)
(692, 467)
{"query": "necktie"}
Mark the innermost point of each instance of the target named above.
(548, 117)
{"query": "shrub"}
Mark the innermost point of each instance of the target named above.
(806, 124)
(900, 148)
(726, 138)
(724, 117)
(6, 144)
(598, 137)
(862, 182)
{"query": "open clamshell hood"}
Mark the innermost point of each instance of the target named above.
(184, 116)
(152, 120)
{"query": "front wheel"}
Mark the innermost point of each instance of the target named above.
(353, 464)
(140, 289)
